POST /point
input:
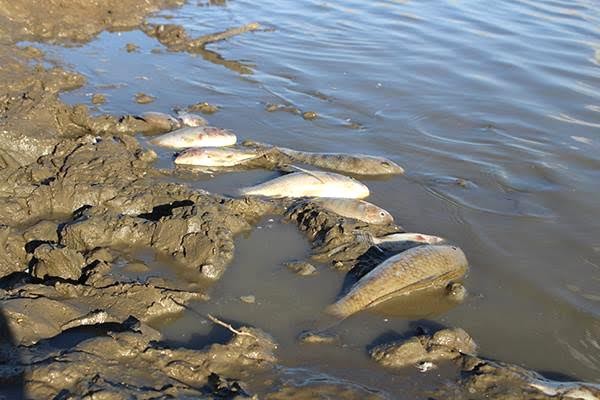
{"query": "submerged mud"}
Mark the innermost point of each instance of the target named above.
(78, 191)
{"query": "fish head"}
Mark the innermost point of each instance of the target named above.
(377, 215)
(194, 156)
(455, 255)
(190, 119)
(390, 167)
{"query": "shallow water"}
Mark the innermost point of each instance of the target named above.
(493, 111)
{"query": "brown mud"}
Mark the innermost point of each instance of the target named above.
(77, 189)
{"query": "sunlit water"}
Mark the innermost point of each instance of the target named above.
(504, 97)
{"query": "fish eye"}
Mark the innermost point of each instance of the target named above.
(387, 164)
(382, 214)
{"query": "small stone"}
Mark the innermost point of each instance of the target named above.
(270, 107)
(204, 108)
(301, 268)
(131, 47)
(310, 115)
(209, 271)
(98, 98)
(309, 337)
(426, 366)
(354, 125)
(142, 98)
(248, 299)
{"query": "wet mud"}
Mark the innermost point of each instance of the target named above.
(79, 191)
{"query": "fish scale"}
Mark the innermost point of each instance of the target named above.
(413, 269)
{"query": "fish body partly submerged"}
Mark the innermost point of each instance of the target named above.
(309, 184)
(190, 119)
(356, 209)
(398, 242)
(215, 156)
(359, 164)
(201, 136)
(416, 268)
(160, 121)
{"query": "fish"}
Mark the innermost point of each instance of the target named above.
(398, 242)
(190, 119)
(162, 121)
(356, 209)
(201, 136)
(358, 164)
(309, 184)
(416, 268)
(215, 156)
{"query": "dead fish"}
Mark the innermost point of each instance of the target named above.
(215, 156)
(567, 390)
(309, 184)
(162, 121)
(190, 119)
(356, 209)
(359, 164)
(201, 136)
(398, 242)
(414, 269)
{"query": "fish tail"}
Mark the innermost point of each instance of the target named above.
(244, 191)
(337, 310)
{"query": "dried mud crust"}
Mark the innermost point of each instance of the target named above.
(130, 362)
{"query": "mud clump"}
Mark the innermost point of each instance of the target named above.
(143, 98)
(204, 107)
(301, 268)
(131, 47)
(446, 344)
(54, 261)
(98, 98)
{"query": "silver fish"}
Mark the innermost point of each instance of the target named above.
(162, 121)
(215, 156)
(359, 164)
(201, 136)
(190, 119)
(414, 269)
(356, 209)
(309, 184)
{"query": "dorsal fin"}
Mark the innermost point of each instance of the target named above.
(306, 171)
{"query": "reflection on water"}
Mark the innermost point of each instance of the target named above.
(493, 111)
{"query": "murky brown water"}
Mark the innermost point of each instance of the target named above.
(504, 96)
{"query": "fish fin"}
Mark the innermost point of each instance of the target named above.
(306, 171)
